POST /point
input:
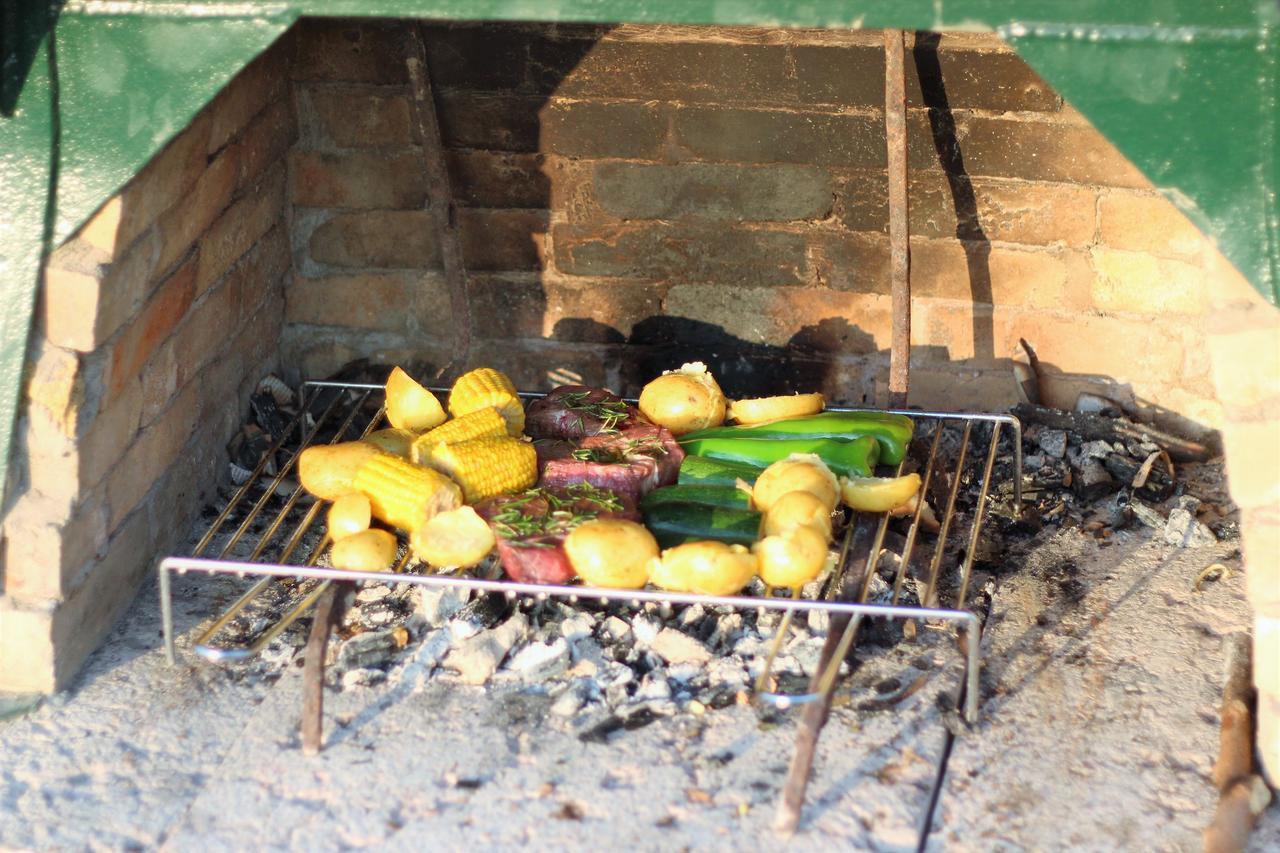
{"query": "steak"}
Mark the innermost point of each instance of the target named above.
(573, 412)
(631, 463)
(531, 527)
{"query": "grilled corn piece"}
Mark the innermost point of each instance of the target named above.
(403, 494)
(484, 387)
(485, 467)
(482, 423)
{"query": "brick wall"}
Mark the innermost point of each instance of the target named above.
(706, 192)
(155, 321)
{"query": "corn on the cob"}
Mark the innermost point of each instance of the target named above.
(484, 387)
(485, 467)
(482, 423)
(403, 494)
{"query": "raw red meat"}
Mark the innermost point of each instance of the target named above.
(632, 462)
(577, 411)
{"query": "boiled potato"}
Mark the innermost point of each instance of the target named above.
(458, 537)
(684, 400)
(707, 568)
(791, 558)
(393, 441)
(367, 551)
(349, 515)
(611, 552)
(765, 409)
(328, 471)
(803, 472)
(410, 406)
(878, 494)
(797, 509)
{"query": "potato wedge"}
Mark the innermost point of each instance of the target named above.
(410, 406)
(349, 515)
(458, 538)
(707, 568)
(367, 551)
(878, 494)
(764, 409)
(611, 552)
(328, 471)
(394, 441)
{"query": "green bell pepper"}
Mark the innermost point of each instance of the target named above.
(892, 431)
(856, 458)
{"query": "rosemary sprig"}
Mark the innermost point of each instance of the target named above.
(609, 413)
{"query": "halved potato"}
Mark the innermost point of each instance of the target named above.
(803, 472)
(707, 568)
(763, 409)
(349, 515)
(410, 406)
(684, 400)
(878, 494)
(797, 509)
(367, 551)
(457, 538)
(328, 471)
(611, 552)
(393, 441)
(791, 558)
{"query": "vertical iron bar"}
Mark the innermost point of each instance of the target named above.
(910, 545)
(946, 517)
(895, 131)
(166, 613)
(442, 205)
(977, 517)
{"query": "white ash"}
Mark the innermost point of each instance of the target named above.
(539, 661)
(675, 647)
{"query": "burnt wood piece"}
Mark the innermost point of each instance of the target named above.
(329, 610)
(1242, 794)
(1158, 486)
(1097, 427)
(850, 588)
(441, 201)
(895, 129)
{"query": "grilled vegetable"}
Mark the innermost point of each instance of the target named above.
(482, 423)
(673, 524)
(764, 409)
(485, 387)
(367, 551)
(684, 400)
(403, 494)
(458, 538)
(705, 471)
(892, 431)
(611, 552)
(349, 515)
(878, 494)
(725, 496)
(328, 471)
(791, 558)
(857, 458)
(706, 568)
(485, 467)
(797, 509)
(409, 405)
(802, 472)
(393, 441)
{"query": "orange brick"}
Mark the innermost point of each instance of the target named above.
(238, 229)
(1147, 223)
(44, 549)
(1137, 283)
(182, 226)
(1142, 353)
(810, 318)
(598, 311)
(165, 181)
(264, 142)
(390, 302)
(380, 239)
(1253, 463)
(260, 83)
(958, 390)
(153, 325)
(357, 179)
(1260, 528)
(352, 117)
(103, 227)
(151, 453)
(1246, 366)
(946, 331)
(997, 275)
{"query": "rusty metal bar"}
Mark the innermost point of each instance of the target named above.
(895, 132)
(441, 201)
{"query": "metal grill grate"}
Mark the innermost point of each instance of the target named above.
(275, 555)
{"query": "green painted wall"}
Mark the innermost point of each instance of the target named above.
(1185, 88)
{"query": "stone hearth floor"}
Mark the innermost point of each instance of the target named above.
(1098, 731)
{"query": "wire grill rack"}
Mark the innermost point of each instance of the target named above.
(288, 547)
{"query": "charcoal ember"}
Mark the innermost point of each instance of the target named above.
(480, 614)
(1096, 449)
(630, 463)
(573, 412)
(1158, 486)
(433, 607)
(247, 447)
(577, 627)
(1116, 512)
(368, 649)
(1092, 480)
(267, 414)
(615, 630)
(1053, 442)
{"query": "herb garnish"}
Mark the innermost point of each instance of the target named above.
(609, 413)
(559, 513)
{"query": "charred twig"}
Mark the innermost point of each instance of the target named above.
(1094, 427)
(1242, 794)
(441, 200)
(1030, 384)
(328, 614)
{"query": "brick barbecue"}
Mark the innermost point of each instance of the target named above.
(628, 195)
